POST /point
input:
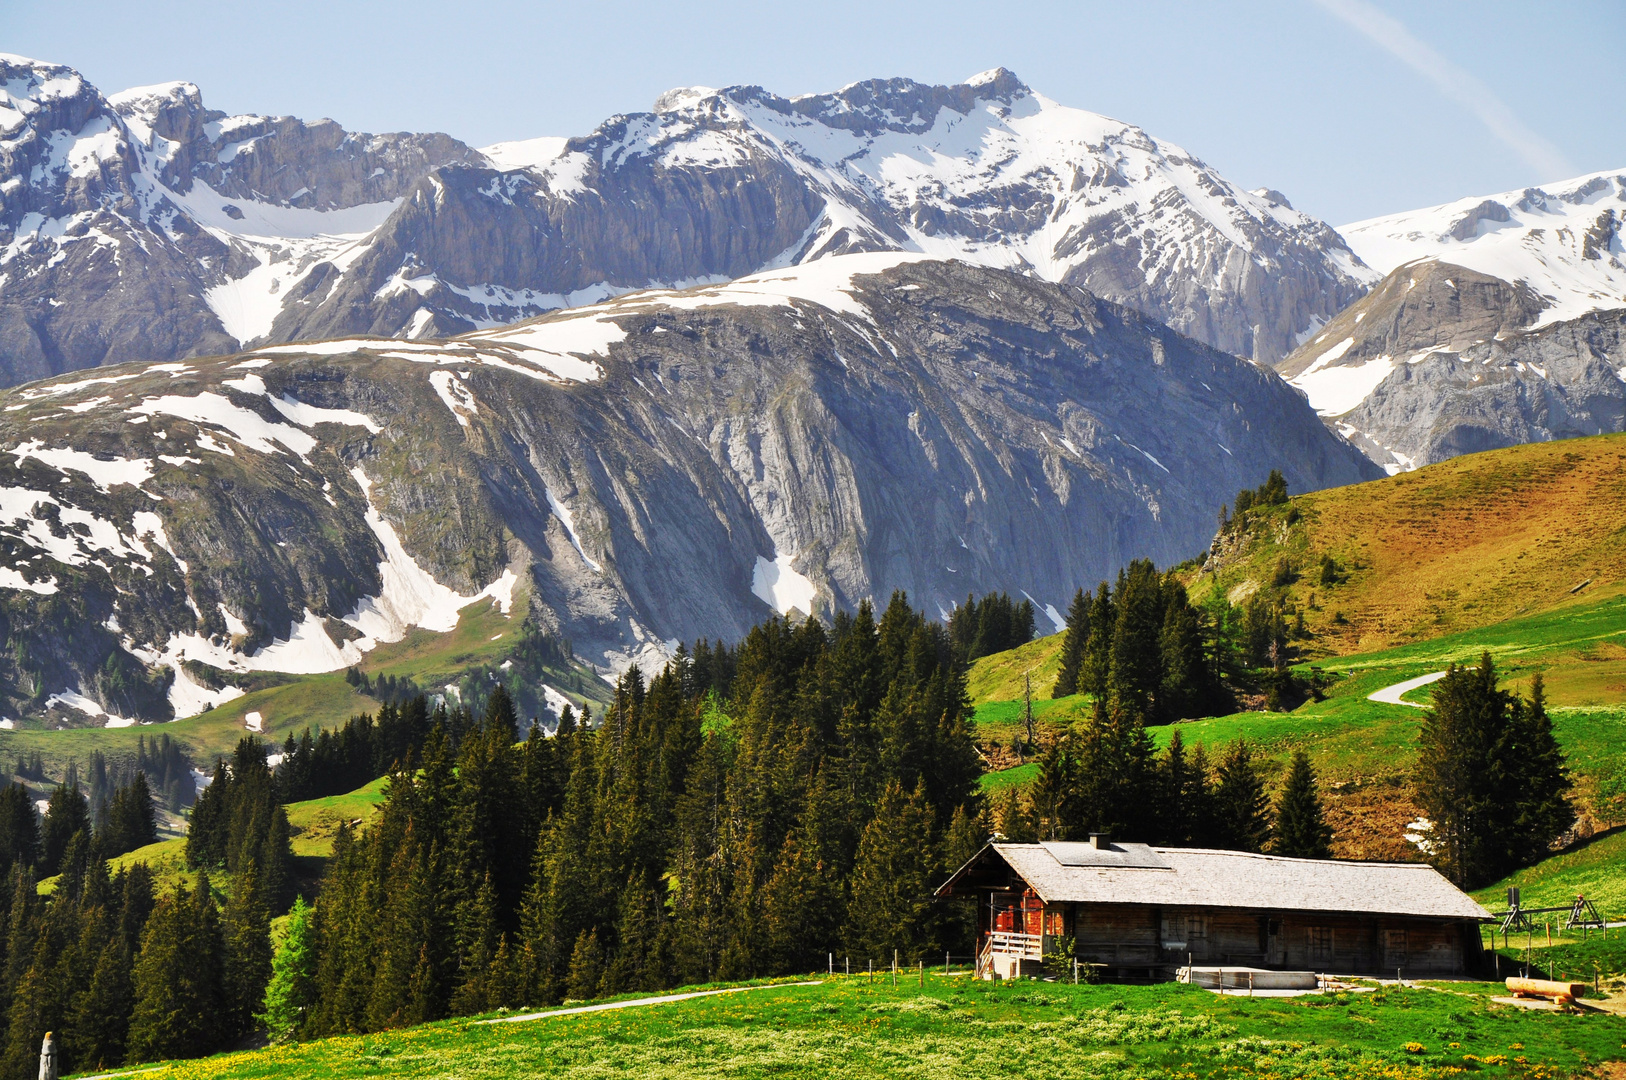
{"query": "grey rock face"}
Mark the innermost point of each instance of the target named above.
(117, 216)
(646, 468)
(1418, 307)
(1439, 360)
(715, 184)
(204, 232)
(1559, 382)
(280, 160)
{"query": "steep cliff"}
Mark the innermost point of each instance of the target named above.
(655, 468)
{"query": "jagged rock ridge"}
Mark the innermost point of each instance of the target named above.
(1499, 323)
(145, 226)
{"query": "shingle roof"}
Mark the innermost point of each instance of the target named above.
(1200, 877)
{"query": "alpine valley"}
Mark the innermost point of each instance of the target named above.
(738, 355)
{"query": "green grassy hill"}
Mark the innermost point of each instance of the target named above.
(850, 1027)
(1363, 749)
(313, 822)
(1463, 544)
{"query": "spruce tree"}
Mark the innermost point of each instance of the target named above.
(101, 1018)
(1054, 794)
(292, 989)
(167, 1020)
(1012, 822)
(1117, 779)
(1072, 647)
(1490, 776)
(19, 828)
(1300, 830)
(1241, 808)
(1134, 672)
(1098, 650)
(477, 936)
(247, 953)
(586, 968)
(1182, 784)
(892, 879)
(65, 816)
(1543, 781)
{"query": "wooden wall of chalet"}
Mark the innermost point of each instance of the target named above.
(1145, 936)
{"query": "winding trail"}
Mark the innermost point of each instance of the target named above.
(666, 1000)
(1391, 695)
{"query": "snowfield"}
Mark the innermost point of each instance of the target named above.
(1563, 240)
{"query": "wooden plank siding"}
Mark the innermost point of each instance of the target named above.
(1146, 937)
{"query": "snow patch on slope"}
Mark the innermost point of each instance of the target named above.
(1333, 391)
(778, 585)
(568, 520)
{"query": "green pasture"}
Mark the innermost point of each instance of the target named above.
(963, 1029)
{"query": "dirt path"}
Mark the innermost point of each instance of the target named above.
(666, 1000)
(1390, 695)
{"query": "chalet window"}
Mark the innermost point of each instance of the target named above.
(1321, 943)
(1055, 922)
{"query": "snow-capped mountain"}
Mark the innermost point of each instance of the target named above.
(1562, 242)
(714, 184)
(653, 468)
(147, 227)
(1501, 320)
(144, 226)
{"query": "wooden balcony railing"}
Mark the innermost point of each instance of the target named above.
(1027, 946)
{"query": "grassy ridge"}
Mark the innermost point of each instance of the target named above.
(964, 1029)
(1596, 870)
(1463, 544)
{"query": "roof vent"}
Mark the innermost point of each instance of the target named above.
(1101, 841)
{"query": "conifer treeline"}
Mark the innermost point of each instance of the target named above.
(1179, 798)
(993, 624)
(1143, 649)
(742, 814)
(122, 976)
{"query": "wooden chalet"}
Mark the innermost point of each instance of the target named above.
(1145, 912)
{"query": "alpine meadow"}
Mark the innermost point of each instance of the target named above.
(910, 579)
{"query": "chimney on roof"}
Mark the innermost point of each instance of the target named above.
(1101, 841)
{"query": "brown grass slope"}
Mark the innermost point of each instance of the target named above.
(1462, 544)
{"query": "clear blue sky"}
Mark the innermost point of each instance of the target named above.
(1325, 100)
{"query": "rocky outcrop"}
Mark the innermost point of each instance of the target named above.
(1499, 325)
(1559, 382)
(659, 467)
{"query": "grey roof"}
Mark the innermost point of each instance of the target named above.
(1200, 877)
